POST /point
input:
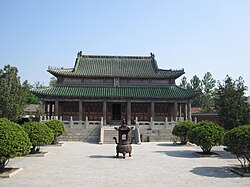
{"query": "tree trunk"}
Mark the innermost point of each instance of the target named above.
(2, 165)
(206, 150)
(34, 149)
(183, 140)
(55, 141)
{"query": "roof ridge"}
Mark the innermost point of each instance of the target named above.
(115, 56)
(176, 70)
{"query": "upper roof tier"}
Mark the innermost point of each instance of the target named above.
(116, 66)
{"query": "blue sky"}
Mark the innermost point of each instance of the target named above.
(199, 36)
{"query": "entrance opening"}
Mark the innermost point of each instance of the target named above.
(116, 111)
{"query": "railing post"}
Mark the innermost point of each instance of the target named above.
(101, 132)
(41, 119)
(151, 122)
(166, 121)
(71, 122)
(86, 122)
(136, 121)
(195, 120)
(137, 134)
(101, 123)
(60, 118)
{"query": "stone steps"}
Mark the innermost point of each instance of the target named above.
(110, 133)
(91, 135)
(108, 136)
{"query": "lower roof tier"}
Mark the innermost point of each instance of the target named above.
(170, 92)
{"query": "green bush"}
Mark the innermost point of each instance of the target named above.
(181, 130)
(39, 134)
(238, 142)
(206, 134)
(57, 127)
(14, 141)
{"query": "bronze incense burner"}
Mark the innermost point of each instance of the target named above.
(124, 140)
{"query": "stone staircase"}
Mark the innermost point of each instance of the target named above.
(111, 132)
(90, 134)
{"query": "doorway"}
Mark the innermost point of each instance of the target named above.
(116, 112)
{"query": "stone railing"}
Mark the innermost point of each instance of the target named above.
(166, 122)
(73, 123)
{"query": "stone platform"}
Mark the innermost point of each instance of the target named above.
(151, 164)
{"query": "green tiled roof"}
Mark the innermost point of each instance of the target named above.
(116, 66)
(169, 92)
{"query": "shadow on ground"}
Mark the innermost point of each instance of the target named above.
(180, 154)
(217, 172)
(174, 145)
(226, 155)
(167, 144)
(101, 156)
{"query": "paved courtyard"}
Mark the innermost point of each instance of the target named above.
(152, 164)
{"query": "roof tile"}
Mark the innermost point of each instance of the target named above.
(169, 92)
(116, 66)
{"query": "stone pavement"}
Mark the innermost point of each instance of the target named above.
(152, 164)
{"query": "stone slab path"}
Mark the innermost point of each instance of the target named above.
(151, 164)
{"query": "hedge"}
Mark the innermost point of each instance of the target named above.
(39, 134)
(14, 141)
(238, 142)
(181, 130)
(206, 134)
(57, 127)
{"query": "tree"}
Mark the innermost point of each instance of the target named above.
(52, 81)
(183, 83)
(30, 97)
(238, 142)
(57, 127)
(206, 134)
(208, 83)
(14, 141)
(39, 134)
(181, 130)
(207, 98)
(196, 85)
(230, 103)
(205, 86)
(38, 84)
(12, 94)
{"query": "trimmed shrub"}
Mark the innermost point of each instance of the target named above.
(14, 141)
(206, 134)
(57, 127)
(181, 130)
(39, 134)
(238, 142)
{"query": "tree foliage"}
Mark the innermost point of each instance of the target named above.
(14, 141)
(12, 94)
(206, 134)
(52, 81)
(230, 103)
(196, 85)
(184, 84)
(57, 127)
(208, 86)
(238, 142)
(39, 134)
(181, 130)
(205, 86)
(30, 97)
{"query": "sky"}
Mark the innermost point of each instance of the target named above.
(199, 36)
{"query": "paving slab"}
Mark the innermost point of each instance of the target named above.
(151, 164)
